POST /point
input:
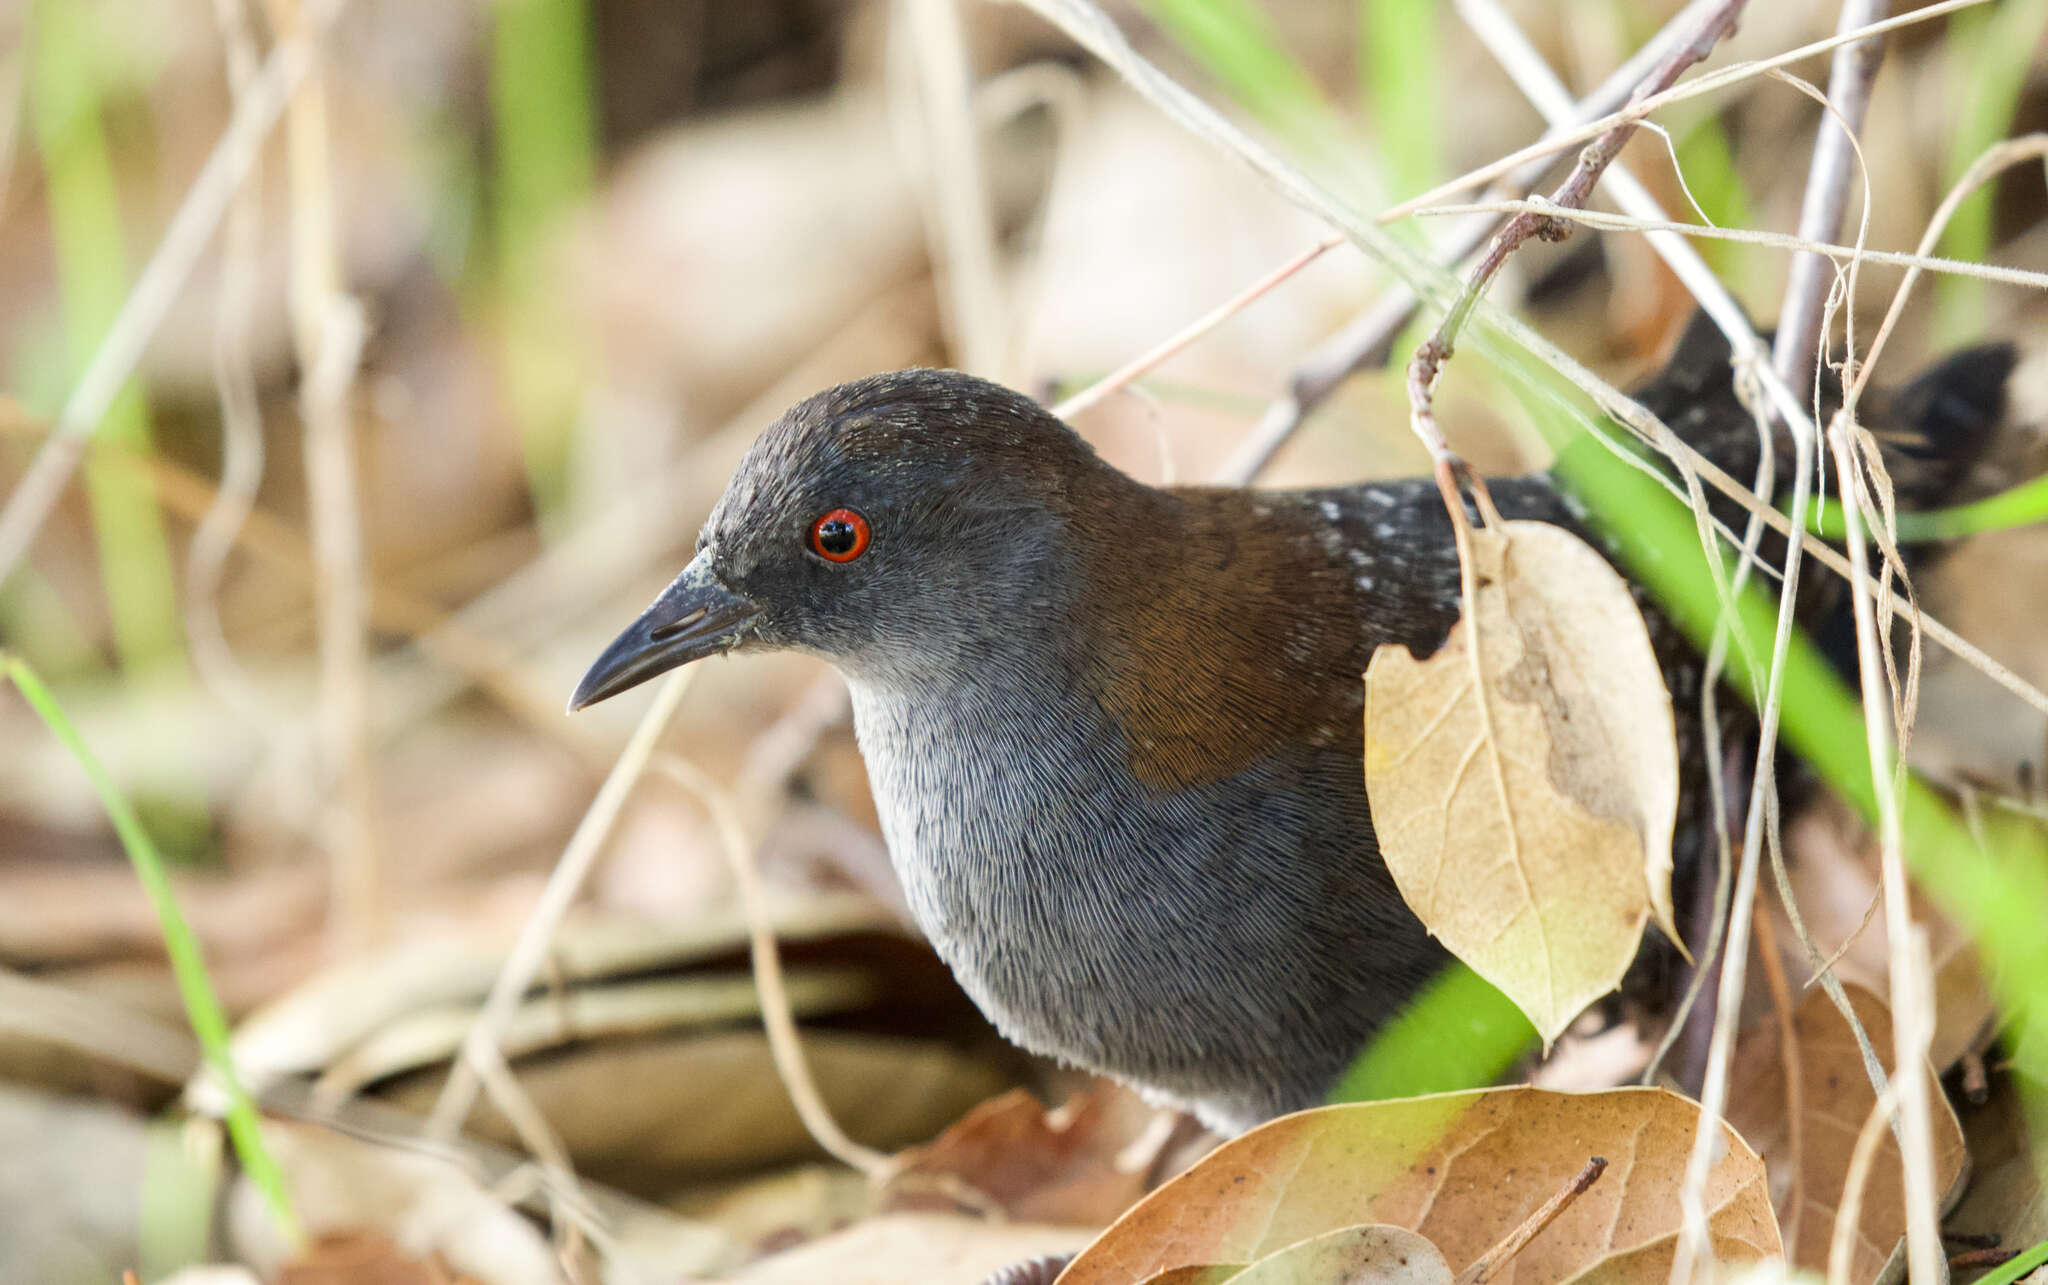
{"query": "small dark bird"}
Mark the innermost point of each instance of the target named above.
(1114, 731)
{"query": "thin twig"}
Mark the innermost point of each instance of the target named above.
(1711, 82)
(539, 1138)
(1368, 339)
(565, 881)
(162, 278)
(1851, 72)
(1086, 24)
(1483, 1268)
(1426, 366)
(1694, 1241)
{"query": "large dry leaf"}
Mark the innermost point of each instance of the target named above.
(1524, 779)
(1369, 1255)
(1809, 1163)
(1463, 1170)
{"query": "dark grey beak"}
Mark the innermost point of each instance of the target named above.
(693, 618)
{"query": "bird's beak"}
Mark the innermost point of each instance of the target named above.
(693, 618)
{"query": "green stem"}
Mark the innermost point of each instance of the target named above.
(85, 222)
(544, 156)
(188, 965)
(2023, 505)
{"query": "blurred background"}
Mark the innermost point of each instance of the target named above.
(441, 405)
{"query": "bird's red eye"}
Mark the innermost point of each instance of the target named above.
(840, 536)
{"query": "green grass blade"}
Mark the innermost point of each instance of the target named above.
(188, 966)
(2023, 505)
(1459, 1033)
(2008, 1272)
(1708, 164)
(1400, 53)
(1996, 889)
(64, 103)
(544, 156)
(1235, 42)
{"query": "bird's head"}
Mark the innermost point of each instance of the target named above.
(891, 525)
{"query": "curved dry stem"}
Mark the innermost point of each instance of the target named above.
(784, 1044)
(565, 881)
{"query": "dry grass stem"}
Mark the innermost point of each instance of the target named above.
(565, 881)
(1426, 367)
(539, 1138)
(328, 332)
(1852, 70)
(1994, 161)
(1849, 1214)
(1831, 170)
(1087, 24)
(1711, 82)
(1911, 991)
(1609, 222)
(961, 226)
(1368, 338)
(1788, 1058)
(184, 239)
(241, 415)
(784, 1043)
(1172, 345)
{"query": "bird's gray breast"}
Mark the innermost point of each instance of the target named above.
(1173, 938)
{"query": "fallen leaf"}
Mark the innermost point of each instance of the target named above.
(1833, 858)
(1462, 1170)
(364, 1258)
(1368, 1255)
(1059, 1166)
(930, 1249)
(1524, 778)
(1809, 1165)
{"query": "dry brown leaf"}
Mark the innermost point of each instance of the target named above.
(1524, 779)
(1833, 858)
(364, 1258)
(1214, 1274)
(1368, 1255)
(1462, 1170)
(1060, 1166)
(1810, 1164)
(930, 1249)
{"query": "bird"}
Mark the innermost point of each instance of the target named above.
(1114, 731)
